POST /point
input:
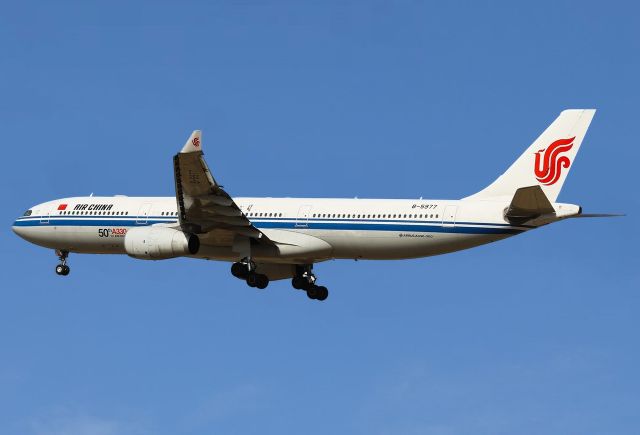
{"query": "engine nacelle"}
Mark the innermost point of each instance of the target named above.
(159, 243)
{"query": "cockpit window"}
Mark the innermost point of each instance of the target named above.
(27, 213)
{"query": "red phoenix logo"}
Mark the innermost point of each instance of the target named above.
(550, 169)
(196, 142)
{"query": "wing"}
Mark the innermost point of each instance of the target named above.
(203, 205)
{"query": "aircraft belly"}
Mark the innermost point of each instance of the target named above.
(389, 245)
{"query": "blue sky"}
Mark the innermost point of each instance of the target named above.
(535, 334)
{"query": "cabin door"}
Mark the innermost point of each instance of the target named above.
(302, 221)
(449, 216)
(143, 214)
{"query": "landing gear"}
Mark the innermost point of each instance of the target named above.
(299, 283)
(304, 279)
(257, 280)
(318, 292)
(245, 270)
(62, 268)
(240, 270)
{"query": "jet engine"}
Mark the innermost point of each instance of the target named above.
(159, 243)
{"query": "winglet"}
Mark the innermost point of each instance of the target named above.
(194, 143)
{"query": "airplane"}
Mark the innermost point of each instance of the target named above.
(268, 239)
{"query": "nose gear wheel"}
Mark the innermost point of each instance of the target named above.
(62, 269)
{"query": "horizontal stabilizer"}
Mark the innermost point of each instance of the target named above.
(528, 203)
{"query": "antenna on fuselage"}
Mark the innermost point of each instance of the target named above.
(91, 195)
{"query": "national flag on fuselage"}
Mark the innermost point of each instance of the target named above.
(62, 207)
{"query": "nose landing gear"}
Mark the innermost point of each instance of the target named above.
(62, 268)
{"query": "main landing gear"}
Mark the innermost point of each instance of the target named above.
(62, 268)
(306, 280)
(245, 269)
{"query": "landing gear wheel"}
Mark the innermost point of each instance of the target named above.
(252, 279)
(239, 270)
(257, 280)
(62, 268)
(312, 292)
(322, 293)
(299, 283)
(262, 281)
(319, 293)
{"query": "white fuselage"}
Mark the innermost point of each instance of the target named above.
(331, 228)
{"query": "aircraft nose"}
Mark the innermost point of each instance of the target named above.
(20, 231)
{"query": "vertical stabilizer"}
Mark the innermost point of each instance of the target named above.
(546, 163)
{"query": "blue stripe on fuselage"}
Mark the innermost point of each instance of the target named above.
(84, 222)
(284, 223)
(403, 227)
